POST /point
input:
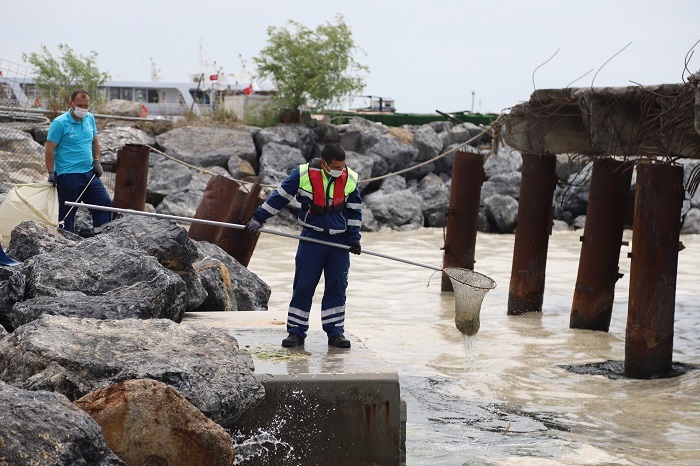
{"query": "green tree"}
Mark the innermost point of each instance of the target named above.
(311, 68)
(57, 78)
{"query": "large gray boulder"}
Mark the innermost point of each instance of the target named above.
(75, 356)
(22, 167)
(18, 142)
(391, 155)
(502, 212)
(435, 200)
(360, 134)
(217, 282)
(206, 146)
(506, 160)
(400, 210)
(121, 107)
(429, 146)
(115, 136)
(165, 178)
(45, 429)
(293, 135)
(99, 278)
(505, 184)
(169, 244)
(251, 293)
(361, 164)
(30, 238)
(277, 162)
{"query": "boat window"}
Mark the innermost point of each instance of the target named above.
(153, 96)
(127, 93)
(115, 93)
(140, 95)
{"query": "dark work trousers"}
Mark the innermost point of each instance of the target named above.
(69, 187)
(312, 259)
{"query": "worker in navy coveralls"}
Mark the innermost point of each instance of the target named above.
(72, 159)
(331, 211)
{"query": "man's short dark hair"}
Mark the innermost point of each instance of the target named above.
(77, 93)
(333, 151)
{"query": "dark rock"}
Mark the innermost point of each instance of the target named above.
(326, 133)
(101, 279)
(75, 356)
(12, 284)
(33, 238)
(504, 184)
(207, 146)
(44, 429)
(395, 153)
(400, 210)
(436, 200)
(292, 135)
(216, 281)
(506, 160)
(393, 183)
(502, 212)
(167, 242)
(277, 162)
(369, 223)
(252, 294)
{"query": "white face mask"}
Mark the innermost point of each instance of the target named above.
(333, 173)
(80, 112)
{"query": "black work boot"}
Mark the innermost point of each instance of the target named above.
(339, 341)
(293, 340)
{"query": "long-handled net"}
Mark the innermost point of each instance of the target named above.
(469, 288)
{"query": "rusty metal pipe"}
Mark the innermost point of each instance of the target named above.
(653, 270)
(463, 213)
(214, 205)
(535, 211)
(601, 242)
(131, 177)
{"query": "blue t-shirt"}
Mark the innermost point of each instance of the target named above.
(73, 153)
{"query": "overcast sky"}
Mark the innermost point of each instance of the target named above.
(427, 55)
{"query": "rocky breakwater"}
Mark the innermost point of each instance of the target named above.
(416, 197)
(94, 321)
(411, 193)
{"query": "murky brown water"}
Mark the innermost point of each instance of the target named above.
(500, 397)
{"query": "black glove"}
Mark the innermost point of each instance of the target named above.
(252, 226)
(97, 168)
(355, 248)
(52, 178)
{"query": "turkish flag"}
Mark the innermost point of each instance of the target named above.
(213, 77)
(248, 90)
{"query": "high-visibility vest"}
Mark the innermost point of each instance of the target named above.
(313, 180)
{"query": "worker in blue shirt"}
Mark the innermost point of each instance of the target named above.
(331, 211)
(73, 162)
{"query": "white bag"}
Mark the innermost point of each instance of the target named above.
(35, 201)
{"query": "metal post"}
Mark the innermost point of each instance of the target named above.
(653, 270)
(131, 179)
(535, 211)
(601, 242)
(463, 213)
(215, 203)
(240, 244)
